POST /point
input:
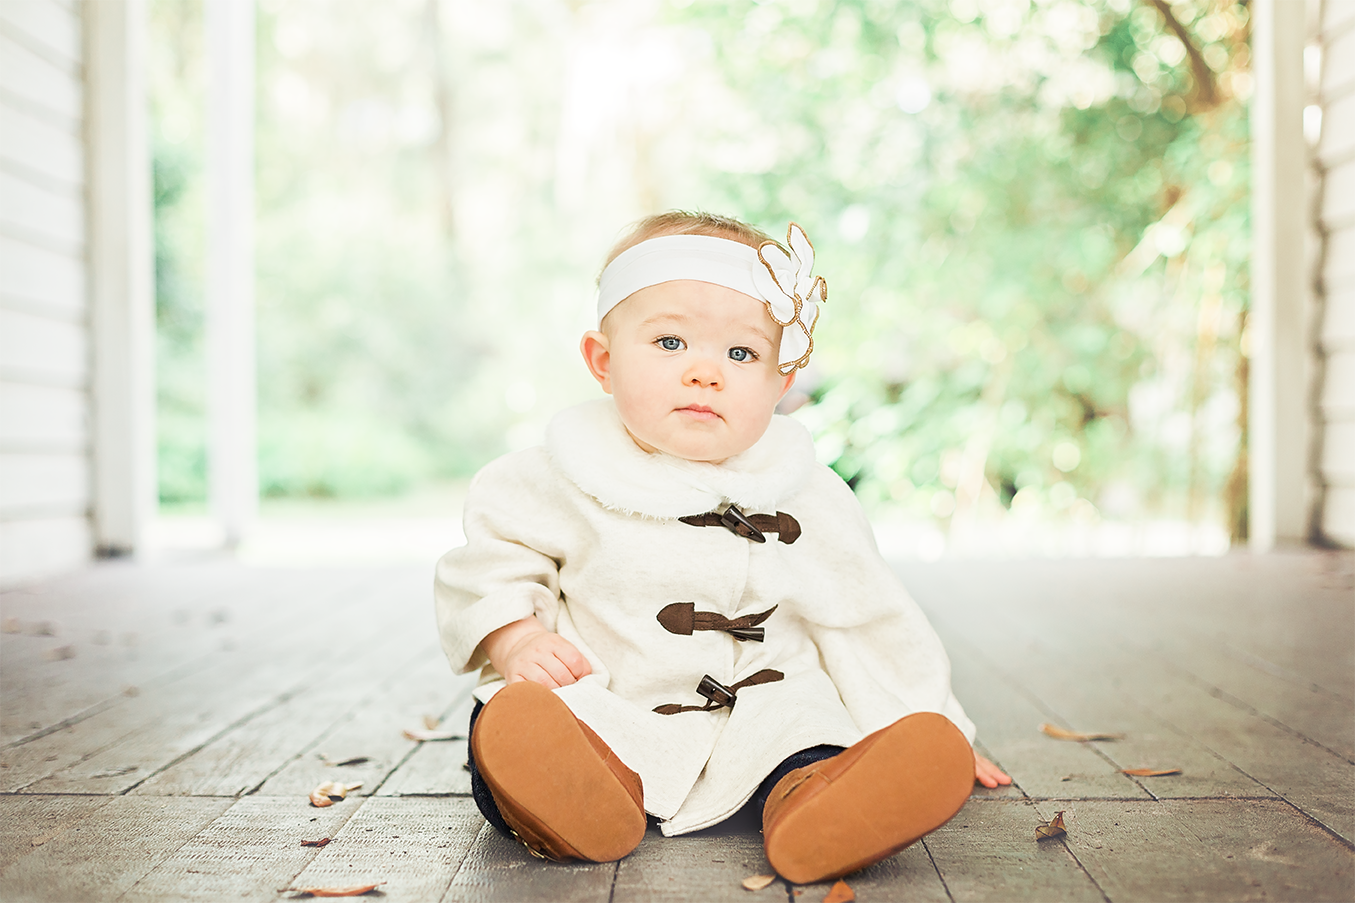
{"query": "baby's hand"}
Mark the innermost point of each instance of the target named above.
(988, 774)
(525, 650)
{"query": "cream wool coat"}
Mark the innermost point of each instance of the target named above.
(583, 532)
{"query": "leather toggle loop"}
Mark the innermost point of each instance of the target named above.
(682, 618)
(749, 526)
(718, 695)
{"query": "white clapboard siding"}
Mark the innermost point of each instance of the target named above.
(45, 408)
(1338, 195)
(1339, 269)
(1338, 130)
(42, 350)
(36, 546)
(40, 279)
(39, 81)
(43, 215)
(43, 418)
(43, 484)
(1337, 61)
(1336, 335)
(1338, 452)
(35, 144)
(1338, 323)
(45, 25)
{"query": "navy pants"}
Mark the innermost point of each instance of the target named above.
(490, 810)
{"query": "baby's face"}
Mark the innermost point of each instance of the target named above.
(693, 368)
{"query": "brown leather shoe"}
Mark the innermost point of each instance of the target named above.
(867, 803)
(561, 790)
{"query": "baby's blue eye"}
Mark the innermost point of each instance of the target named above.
(741, 355)
(670, 343)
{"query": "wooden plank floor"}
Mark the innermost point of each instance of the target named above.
(161, 727)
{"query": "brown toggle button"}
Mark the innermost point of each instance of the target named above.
(682, 618)
(786, 528)
(718, 695)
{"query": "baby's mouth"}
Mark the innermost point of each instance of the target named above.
(699, 412)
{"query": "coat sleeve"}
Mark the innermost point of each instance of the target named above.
(507, 570)
(875, 642)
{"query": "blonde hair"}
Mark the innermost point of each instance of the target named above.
(684, 222)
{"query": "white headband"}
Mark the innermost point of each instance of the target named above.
(781, 281)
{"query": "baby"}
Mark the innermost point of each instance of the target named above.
(675, 610)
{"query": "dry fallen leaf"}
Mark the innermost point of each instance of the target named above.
(12, 625)
(355, 760)
(840, 893)
(1059, 733)
(431, 722)
(757, 882)
(414, 733)
(1055, 828)
(1151, 772)
(353, 891)
(315, 843)
(330, 792)
(59, 653)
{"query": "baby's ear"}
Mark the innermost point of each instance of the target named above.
(786, 383)
(596, 350)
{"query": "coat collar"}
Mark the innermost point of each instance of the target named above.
(590, 445)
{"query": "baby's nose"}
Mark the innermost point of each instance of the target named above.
(705, 373)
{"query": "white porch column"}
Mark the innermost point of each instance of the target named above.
(122, 266)
(1278, 436)
(232, 468)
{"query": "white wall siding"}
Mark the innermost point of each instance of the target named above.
(1336, 332)
(45, 408)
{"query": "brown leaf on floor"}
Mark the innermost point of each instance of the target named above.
(330, 792)
(1059, 733)
(315, 843)
(12, 625)
(414, 733)
(757, 882)
(431, 722)
(355, 760)
(355, 890)
(59, 653)
(1150, 772)
(1053, 829)
(840, 893)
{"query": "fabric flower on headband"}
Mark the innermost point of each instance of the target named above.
(792, 294)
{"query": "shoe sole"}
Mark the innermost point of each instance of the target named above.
(910, 781)
(537, 760)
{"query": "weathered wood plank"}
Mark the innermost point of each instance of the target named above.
(1208, 850)
(708, 865)
(989, 852)
(117, 748)
(436, 768)
(249, 853)
(498, 869)
(414, 845)
(28, 822)
(103, 855)
(375, 731)
(1008, 725)
(243, 758)
(1094, 702)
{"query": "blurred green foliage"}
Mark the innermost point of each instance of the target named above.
(1032, 215)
